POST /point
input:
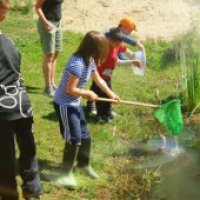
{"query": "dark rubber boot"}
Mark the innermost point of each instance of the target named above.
(84, 159)
(70, 155)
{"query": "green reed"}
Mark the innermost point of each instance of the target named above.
(190, 69)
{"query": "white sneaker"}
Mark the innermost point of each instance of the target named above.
(55, 87)
(49, 91)
(112, 114)
(93, 112)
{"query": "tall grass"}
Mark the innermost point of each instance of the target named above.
(190, 68)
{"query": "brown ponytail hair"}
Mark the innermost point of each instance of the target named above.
(94, 45)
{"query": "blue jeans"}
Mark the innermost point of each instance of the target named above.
(73, 126)
(28, 165)
(122, 56)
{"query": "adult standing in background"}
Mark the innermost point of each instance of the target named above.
(16, 119)
(50, 31)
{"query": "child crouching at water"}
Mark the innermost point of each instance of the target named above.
(73, 126)
(105, 70)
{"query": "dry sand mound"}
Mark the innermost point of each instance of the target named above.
(155, 18)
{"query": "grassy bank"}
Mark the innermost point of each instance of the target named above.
(113, 141)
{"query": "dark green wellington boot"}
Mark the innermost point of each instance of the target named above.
(84, 159)
(70, 156)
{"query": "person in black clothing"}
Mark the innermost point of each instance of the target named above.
(50, 31)
(16, 119)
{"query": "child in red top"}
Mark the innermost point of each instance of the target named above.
(106, 69)
(115, 38)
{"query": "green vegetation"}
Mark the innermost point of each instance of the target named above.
(113, 142)
(23, 6)
(190, 68)
(161, 54)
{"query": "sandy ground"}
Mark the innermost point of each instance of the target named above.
(155, 18)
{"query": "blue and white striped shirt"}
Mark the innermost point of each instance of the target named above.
(78, 68)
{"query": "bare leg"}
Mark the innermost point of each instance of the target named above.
(54, 68)
(175, 150)
(164, 141)
(47, 68)
(176, 142)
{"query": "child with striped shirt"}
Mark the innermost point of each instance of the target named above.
(91, 52)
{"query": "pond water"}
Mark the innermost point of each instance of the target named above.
(179, 167)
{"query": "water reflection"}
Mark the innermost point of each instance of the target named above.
(179, 165)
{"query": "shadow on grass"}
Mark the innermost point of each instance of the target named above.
(90, 119)
(33, 90)
(50, 171)
(96, 119)
(139, 149)
(51, 117)
(138, 152)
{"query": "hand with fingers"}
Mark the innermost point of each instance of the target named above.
(116, 98)
(48, 26)
(137, 63)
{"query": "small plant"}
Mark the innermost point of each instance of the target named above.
(151, 177)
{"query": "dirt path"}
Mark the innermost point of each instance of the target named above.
(155, 18)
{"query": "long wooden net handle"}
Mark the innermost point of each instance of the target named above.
(134, 103)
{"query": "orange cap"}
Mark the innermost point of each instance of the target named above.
(128, 23)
